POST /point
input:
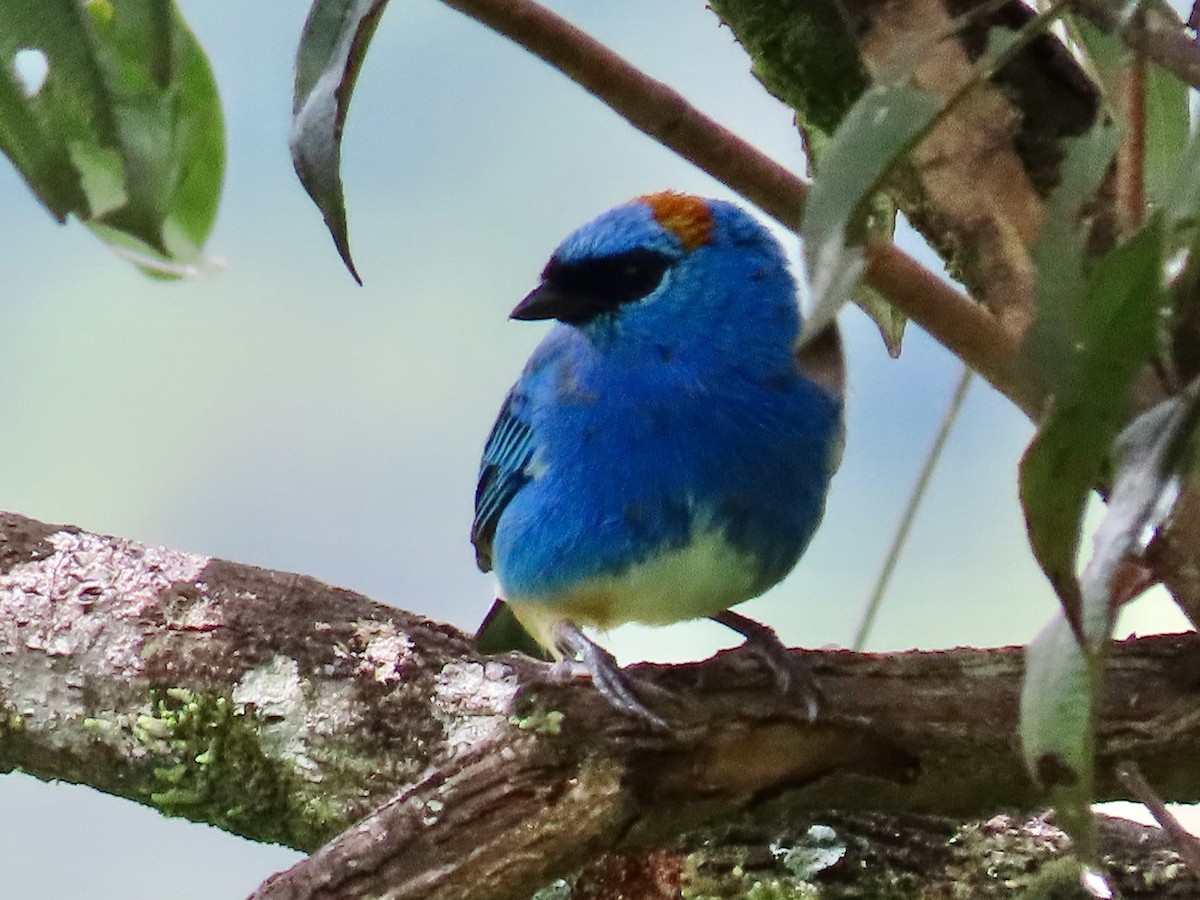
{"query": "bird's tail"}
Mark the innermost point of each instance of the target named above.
(501, 632)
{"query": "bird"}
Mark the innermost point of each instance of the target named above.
(667, 450)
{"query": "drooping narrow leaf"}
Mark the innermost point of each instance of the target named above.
(1061, 254)
(332, 47)
(1062, 676)
(1114, 336)
(881, 126)
(1094, 331)
(1168, 118)
(820, 82)
(880, 225)
(1181, 194)
(124, 131)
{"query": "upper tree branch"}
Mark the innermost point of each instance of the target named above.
(280, 708)
(989, 345)
(661, 112)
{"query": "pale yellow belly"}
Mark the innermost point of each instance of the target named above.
(704, 577)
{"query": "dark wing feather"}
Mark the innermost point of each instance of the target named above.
(501, 632)
(502, 472)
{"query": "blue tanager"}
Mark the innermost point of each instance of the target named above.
(667, 450)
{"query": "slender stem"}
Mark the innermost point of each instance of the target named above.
(960, 324)
(1131, 155)
(1157, 33)
(910, 510)
(1184, 842)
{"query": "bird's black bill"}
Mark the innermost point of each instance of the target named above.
(544, 302)
(579, 290)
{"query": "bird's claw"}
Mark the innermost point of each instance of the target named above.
(606, 674)
(789, 670)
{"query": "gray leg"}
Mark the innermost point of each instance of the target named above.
(775, 655)
(606, 674)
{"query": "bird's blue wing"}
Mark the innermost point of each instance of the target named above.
(502, 472)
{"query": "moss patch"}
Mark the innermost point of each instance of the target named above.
(221, 776)
(803, 53)
(539, 721)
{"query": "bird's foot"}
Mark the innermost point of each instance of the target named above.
(789, 670)
(606, 674)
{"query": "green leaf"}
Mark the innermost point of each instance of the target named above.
(880, 225)
(881, 126)
(1114, 335)
(1181, 204)
(887, 318)
(1061, 254)
(125, 132)
(1167, 125)
(1057, 733)
(332, 47)
(1062, 676)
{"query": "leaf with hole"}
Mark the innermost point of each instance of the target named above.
(109, 110)
(332, 47)
(1057, 737)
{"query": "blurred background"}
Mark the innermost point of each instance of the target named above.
(272, 412)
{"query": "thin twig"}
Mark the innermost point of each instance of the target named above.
(963, 326)
(1184, 842)
(1159, 35)
(1131, 155)
(910, 510)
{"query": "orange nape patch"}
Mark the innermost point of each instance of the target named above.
(689, 217)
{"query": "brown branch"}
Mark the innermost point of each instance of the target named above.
(276, 707)
(662, 113)
(1131, 155)
(969, 330)
(927, 731)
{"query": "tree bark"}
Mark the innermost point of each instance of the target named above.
(282, 709)
(834, 855)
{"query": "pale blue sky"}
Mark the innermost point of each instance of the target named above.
(275, 413)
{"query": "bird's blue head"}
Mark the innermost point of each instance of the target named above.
(670, 269)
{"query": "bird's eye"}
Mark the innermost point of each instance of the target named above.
(610, 281)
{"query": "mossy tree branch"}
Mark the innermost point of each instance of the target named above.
(279, 708)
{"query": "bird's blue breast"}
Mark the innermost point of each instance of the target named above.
(634, 456)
